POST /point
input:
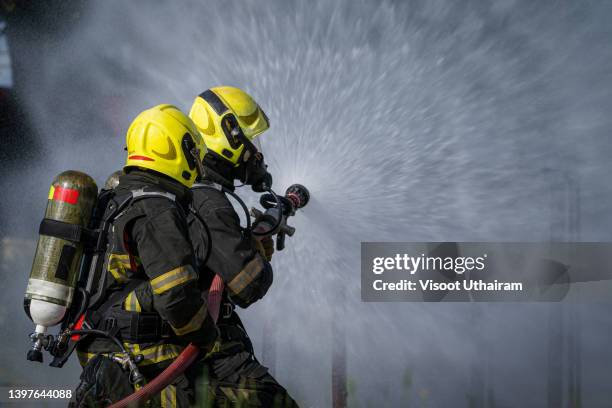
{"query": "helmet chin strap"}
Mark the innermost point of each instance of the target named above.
(195, 152)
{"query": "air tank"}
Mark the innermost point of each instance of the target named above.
(55, 269)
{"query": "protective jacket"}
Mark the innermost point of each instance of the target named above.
(235, 377)
(222, 247)
(157, 304)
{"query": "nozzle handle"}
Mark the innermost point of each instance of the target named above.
(280, 241)
(288, 229)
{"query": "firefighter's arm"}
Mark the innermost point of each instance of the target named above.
(265, 247)
(168, 260)
(251, 283)
(235, 256)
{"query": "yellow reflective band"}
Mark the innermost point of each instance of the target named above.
(118, 265)
(247, 396)
(152, 355)
(250, 272)
(194, 324)
(119, 277)
(119, 259)
(168, 397)
(229, 393)
(131, 303)
(51, 193)
(133, 348)
(175, 277)
(157, 354)
(84, 357)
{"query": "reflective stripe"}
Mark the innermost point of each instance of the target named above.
(118, 265)
(119, 259)
(214, 186)
(194, 324)
(131, 303)
(248, 274)
(117, 275)
(133, 347)
(142, 193)
(157, 354)
(246, 397)
(168, 397)
(84, 357)
(49, 289)
(173, 278)
(229, 393)
(152, 355)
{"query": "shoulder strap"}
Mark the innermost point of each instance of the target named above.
(128, 200)
(211, 185)
(138, 194)
(114, 215)
(65, 230)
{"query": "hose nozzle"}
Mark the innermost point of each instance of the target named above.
(298, 195)
(278, 209)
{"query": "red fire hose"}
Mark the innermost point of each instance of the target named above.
(182, 362)
(214, 297)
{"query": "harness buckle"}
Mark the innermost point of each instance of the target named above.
(227, 310)
(165, 330)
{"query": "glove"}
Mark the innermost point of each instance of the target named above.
(265, 247)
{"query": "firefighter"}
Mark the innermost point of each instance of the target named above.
(152, 301)
(229, 120)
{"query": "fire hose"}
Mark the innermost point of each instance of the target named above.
(297, 196)
(182, 362)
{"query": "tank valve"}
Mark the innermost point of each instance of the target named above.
(40, 341)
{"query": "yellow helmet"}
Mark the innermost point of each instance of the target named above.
(217, 111)
(164, 139)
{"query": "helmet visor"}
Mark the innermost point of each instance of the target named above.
(257, 143)
(235, 136)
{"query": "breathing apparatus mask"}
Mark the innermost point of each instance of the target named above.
(252, 169)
